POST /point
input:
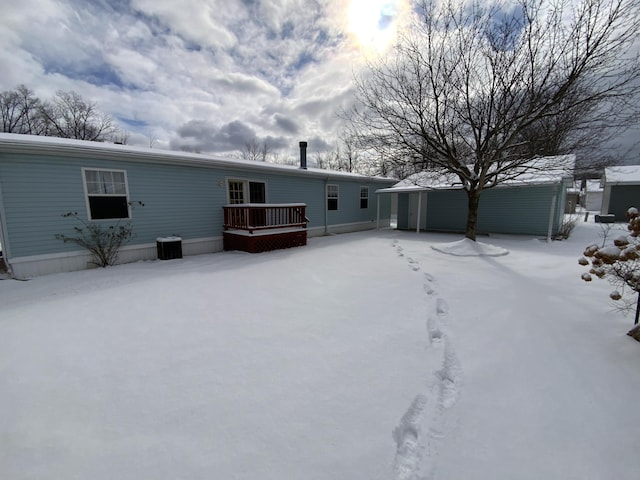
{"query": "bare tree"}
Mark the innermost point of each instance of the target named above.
(70, 116)
(476, 91)
(328, 159)
(345, 155)
(350, 152)
(121, 137)
(11, 111)
(19, 110)
(255, 150)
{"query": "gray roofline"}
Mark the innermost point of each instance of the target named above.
(18, 143)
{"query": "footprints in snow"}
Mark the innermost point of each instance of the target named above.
(433, 329)
(423, 424)
(442, 307)
(413, 264)
(407, 461)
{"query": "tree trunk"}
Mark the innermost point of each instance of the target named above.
(473, 200)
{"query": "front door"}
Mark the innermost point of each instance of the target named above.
(242, 190)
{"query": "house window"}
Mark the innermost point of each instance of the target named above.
(364, 197)
(242, 190)
(107, 194)
(236, 192)
(332, 197)
(257, 192)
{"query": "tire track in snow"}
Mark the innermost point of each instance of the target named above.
(424, 423)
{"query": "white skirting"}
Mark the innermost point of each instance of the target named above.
(33, 266)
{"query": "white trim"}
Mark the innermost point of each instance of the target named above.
(551, 215)
(86, 193)
(35, 265)
(266, 232)
(341, 228)
(606, 199)
(5, 247)
(362, 198)
(79, 149)
(337, 197)
(245, 187)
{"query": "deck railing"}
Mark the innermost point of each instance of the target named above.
(264, 216)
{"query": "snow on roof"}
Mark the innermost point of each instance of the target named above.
(594, 186)
(42, 143)
(622, 174)
(539, 171)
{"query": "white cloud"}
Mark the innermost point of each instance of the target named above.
(199, 21)
(278, 70)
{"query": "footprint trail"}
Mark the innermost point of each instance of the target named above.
(424, 425)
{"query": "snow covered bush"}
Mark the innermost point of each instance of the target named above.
(102, 241)
(619, 263)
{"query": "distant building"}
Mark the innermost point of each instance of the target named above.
(621, 190)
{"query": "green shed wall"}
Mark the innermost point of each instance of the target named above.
(512, 210)
(622, 197)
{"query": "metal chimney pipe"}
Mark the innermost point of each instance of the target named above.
(303, 155)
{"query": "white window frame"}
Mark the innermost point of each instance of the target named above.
(87, 194)
(333, 192)
(245, 188)
(364, 189)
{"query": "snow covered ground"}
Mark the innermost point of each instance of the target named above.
(360, 356)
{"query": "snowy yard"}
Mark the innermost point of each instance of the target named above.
(360, 356)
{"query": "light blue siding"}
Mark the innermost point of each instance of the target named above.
(446, 210)
(513, 210)
(183, 200)
(519, 210)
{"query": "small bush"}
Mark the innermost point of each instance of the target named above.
(102, 241)
(619, 263)
(567, 226)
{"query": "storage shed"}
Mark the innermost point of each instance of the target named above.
(621, 190)
(531, 204)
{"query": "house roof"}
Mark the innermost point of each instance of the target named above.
(594, 186)
(71, 147)
(539, 171)
(622, 174)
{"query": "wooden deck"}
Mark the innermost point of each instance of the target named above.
(261, 227)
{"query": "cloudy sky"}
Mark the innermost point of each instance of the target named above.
(207, 74)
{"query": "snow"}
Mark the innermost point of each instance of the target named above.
(466, 247)
(360, 356)
(622, 174)
(134, 153)
(539, 171)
